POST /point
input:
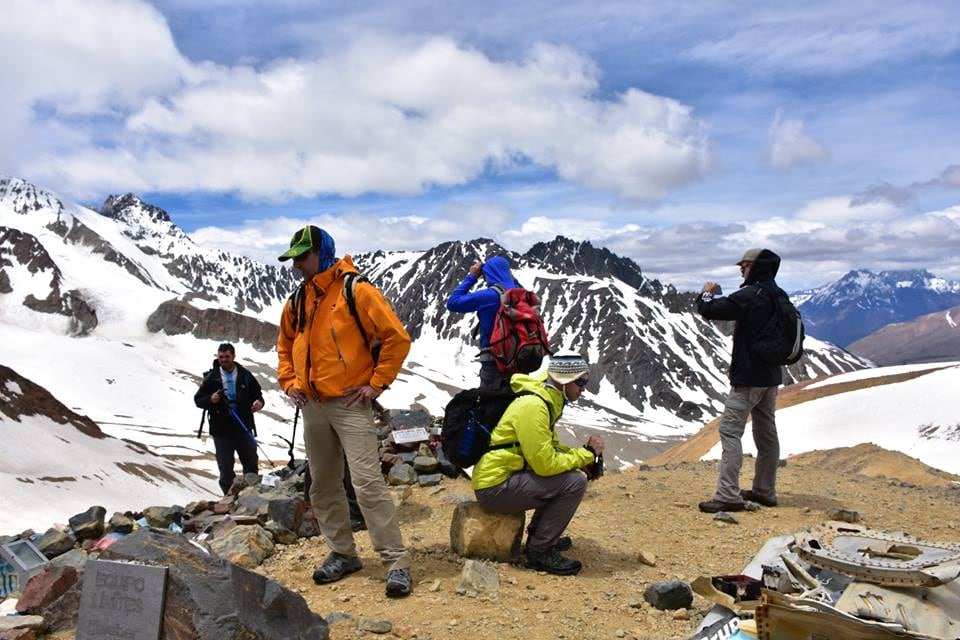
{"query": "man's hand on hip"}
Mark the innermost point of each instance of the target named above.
(299, 397)
(364, 392)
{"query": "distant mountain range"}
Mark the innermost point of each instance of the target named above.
(862, 302)
(934, 337)
(124, 301)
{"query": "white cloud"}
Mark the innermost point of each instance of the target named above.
(842, 209)
(791, 145)
(830, 37)
(815, 248)
(384, 114)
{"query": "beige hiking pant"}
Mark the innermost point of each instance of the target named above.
(330, 430)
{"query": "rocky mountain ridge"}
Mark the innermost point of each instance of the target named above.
(863, 301)
(934, 337)
(658, 368)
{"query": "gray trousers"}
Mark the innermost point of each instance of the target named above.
(330, 431)
(760, 403)
(554, 499)
(490, 377)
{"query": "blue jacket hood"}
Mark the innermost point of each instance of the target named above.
(496, 270)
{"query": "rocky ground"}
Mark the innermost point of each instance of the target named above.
(650, 512)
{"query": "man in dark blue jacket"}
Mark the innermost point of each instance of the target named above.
(231, 395)
(753, 383)
(485, 302)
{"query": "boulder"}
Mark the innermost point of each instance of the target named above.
(120, 523)
(223, 507)
(475, 533)
(161, 517)
(89, 524)
(425, 464)
(375, 625)
(401, 474)
(429, 480)
(287, 512)
(193, 508)
(23, 624)
(211, 599)
(669, 595)
(55, 542)
(280, 534)
(247, 546)
(844, 515)
(478, 577)
(44, 588)
(308, 525)
(75, 558)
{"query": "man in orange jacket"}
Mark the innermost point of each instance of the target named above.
(327, 368)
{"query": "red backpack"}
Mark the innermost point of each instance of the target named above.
(519, 340)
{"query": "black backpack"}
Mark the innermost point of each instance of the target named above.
(470, 418)
(780, 340)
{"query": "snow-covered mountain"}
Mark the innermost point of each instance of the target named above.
(862, 301)
(117, 312)
(934, 337)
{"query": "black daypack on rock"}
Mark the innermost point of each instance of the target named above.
(469, 419)
(780, 340)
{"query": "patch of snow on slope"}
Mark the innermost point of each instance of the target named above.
(892, 416)
(866, 374)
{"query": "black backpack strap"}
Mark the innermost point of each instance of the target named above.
(510, 445)
(298, 308)
(349, 284)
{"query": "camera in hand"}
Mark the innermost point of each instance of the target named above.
(595, 469)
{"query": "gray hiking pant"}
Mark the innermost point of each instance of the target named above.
(760, 403)
(554, 499)
(490, 377)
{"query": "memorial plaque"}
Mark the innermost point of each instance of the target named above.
(121, 600)
(416, 434)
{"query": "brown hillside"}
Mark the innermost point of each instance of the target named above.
(697, 445)
(870, 460)
(653, 511)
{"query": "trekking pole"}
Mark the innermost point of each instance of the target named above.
(203, 416)
(293, 438)
(250, 434)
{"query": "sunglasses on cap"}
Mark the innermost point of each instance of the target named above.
(581, 381)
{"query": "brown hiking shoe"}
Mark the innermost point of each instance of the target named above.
(714, 506)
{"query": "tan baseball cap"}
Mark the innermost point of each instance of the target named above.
(750, 255)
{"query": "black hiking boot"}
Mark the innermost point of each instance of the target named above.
(714, 506)
(563, 543)
(335, 567)
(552, 562)
(399, 583)
(747, 494)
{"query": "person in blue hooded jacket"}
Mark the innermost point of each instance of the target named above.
(485, 302)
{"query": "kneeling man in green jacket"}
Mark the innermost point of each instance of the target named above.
(538, 472)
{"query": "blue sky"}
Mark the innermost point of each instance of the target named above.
(678, 134)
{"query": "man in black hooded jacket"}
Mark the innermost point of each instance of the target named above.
(231, 395)
(753, 383)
